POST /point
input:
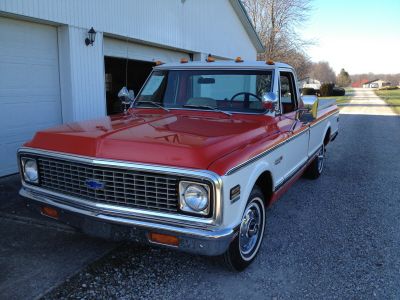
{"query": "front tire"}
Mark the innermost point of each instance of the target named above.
(316, 167)
(245, 247)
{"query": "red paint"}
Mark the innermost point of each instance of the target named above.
(181, 138)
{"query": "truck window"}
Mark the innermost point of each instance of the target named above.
(287, 92)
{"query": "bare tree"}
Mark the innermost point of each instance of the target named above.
(323, 72)
(275, 22)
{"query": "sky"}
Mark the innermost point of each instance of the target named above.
(359, 36)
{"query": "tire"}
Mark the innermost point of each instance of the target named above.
(245, 247)
(316, 167)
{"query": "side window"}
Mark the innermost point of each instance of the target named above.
(287, 92)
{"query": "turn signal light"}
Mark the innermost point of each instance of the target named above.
(159, 62)
(164, 239)
(49, 212)
(184, 60)
(270, 62)
(238, 59)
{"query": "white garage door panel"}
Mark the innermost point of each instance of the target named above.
(118, 48)
(29, 85)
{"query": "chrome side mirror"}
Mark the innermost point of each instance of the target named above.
(309, 111)
(271, 103)
(126, 97)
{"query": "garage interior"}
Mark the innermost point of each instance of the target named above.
(121, 72)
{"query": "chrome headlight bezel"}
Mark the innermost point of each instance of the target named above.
(29, 162)
(184, 204)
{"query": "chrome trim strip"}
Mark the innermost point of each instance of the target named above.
(212, 177)
(295, 171)
(196, 232)
(262, 154)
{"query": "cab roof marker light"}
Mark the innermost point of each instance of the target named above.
(210, 58)
(238, 59)
(270, 62)
(184, 60)
(159, 62)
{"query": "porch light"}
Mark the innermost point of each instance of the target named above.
(91, 37)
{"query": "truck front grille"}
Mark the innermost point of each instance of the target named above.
(106, 185)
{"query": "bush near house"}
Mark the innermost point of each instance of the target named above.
(329, 89)
(389, 88)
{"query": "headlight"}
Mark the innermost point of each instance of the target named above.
(30, 170)
(194, 197)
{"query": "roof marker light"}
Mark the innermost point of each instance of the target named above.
(238, 59)
(184, 60)
(159, 62)
(210, 58)
(270, 62)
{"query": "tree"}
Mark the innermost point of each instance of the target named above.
(323, 72)
(276, 22)
(343, 79)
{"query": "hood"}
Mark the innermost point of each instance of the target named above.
(182, 138)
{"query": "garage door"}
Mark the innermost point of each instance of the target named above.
(118, 48)
(29, 85)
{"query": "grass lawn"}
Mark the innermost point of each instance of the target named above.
(339, 99)
(391, 97)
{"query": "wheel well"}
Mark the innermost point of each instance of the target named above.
(327, 137)
(264, 182)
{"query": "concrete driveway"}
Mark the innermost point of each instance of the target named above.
(336, 237)
(37, 254)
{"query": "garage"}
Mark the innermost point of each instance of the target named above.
(29, 85)
(129, 64)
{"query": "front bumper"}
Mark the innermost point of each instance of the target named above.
(102, 224)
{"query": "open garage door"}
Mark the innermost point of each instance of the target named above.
(139, 61)
(29, 85)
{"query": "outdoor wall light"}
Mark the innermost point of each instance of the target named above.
(91, 37)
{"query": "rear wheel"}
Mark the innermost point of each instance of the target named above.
(244, 248)
(316, 167)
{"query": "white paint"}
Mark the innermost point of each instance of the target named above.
(120, 48)
(29, 85)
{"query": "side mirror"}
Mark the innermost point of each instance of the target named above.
(271, 103)
(126, 97)
(309, 112)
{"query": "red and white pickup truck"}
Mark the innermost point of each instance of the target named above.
(192, 164)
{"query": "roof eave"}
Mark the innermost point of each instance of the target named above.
(248, 26)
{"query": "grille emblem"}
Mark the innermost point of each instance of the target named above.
(94, 184)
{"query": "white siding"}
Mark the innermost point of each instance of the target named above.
(209, 26)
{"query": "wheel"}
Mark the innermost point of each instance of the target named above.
(316, 167)
(245, 246)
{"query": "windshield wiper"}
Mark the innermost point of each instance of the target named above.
(152, 103)
(207, 107)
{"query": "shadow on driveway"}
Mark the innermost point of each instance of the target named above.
(36, 253)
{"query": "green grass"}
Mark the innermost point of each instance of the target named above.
(391, 97)
(339, 99)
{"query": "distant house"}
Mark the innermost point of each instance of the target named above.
(377, 83)
(310, 83)
(359, 83)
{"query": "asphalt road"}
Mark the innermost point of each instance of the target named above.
(335, 237)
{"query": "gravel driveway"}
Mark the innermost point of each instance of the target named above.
(336, 237)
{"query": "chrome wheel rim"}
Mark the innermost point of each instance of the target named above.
(251, 230)
(321, 158)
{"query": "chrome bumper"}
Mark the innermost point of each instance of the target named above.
(121, 227)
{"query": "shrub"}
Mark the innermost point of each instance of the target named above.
(337, 91)
(308, 91)
(326, 89)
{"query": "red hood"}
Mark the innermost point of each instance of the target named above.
(189, 139)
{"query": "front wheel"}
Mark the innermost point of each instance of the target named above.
(244, 248)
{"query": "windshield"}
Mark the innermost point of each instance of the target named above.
(225, 90)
